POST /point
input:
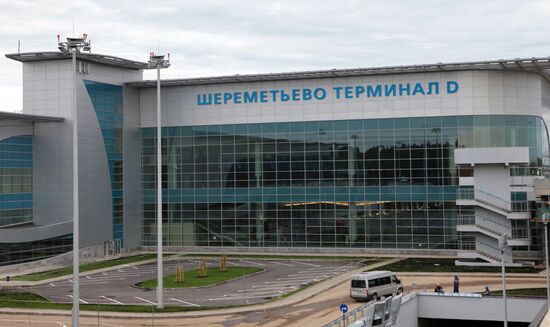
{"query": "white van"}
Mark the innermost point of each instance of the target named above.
(374, 284)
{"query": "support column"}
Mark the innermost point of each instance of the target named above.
(258, 172)
(352, 215)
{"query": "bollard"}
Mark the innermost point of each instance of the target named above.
(203, 271)
(223, 264)
(178, 274)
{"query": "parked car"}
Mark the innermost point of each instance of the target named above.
(374, 284)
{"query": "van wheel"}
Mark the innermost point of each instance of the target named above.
(399, 290)
(374, 297)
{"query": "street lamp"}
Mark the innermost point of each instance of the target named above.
(74, 45)
(158, 62)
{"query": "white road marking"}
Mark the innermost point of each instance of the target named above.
(142, 271)
(116, 276)
(108, 324)
(144, 300)
(78, 299)
(188, 303)
(81, 284)
(309, 275)
(134, 267)
(92, 282)
(105, 274)
(88, 277)
(281, 282)
(251, 292)
(113, 300)
(272, 288)
(52, 284)
(242, 297)
(282, 263)
(70, 281)
(40, 321)
(253, 263)
(307, 264)
(298, 278)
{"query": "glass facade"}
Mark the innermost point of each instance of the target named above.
(16, 180)
(30, 251)
(377, 183)
(107, 102)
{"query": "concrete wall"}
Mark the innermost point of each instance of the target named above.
(480, 308)
(408, 312)
(493, 179)
(495, 155)
(480, 93)
(9, 128)
(466, 307)
(31, 233)
(47, 88)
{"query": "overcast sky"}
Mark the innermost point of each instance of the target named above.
(221, 37)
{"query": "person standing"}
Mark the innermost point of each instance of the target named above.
(456, 284)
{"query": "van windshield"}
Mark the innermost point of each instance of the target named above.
(358, 283)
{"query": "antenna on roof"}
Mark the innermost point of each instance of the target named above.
(18, 46)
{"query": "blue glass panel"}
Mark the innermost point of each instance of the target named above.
(107, 103)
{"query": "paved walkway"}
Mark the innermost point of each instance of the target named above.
(310, 307)
(293, 299)
(312, 311)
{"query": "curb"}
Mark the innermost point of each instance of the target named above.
(206, 286)
(17, 283)
(282, 303)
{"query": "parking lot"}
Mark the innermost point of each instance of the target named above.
(278, 278)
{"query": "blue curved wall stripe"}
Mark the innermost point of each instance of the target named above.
(107, 102)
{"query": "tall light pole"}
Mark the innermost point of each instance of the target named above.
(545, 218)
(158, 62)
(74, 45)
(502, 243)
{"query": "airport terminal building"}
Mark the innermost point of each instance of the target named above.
(424, 159)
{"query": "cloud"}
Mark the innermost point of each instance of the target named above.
(215, 37)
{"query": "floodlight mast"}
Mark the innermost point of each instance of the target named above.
(74, 45)
(158, 62)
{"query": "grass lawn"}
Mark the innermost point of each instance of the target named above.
(446, 265)
(527, 292)
(287, 257)
(83, 268)
(33, 301)
(192, 279)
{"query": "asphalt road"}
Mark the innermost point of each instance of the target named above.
(115, 286)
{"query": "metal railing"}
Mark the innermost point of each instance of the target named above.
(465, 194)
(351, 316)
(493, 225)
(485, 219)
(465, 219)
(467, 245)
(520, 232)
(380, 313)
(483, 197)
(492, 200)
(492, 251)
(520, 206)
